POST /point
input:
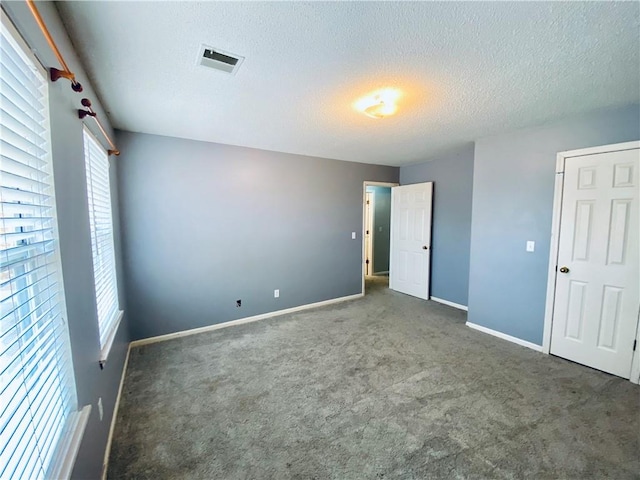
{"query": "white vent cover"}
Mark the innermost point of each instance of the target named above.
(219, 59)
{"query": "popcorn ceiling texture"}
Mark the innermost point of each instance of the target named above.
(468, 70)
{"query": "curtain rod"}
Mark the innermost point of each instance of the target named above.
(66, 73)
(54, 72)
(91, 113)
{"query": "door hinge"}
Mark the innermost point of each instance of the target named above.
(635, 344)
(367, 202)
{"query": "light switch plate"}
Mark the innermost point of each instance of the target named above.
(531, 246)
(276, 293)
(353, 235)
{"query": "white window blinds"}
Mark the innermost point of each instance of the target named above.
(104, 263)
(37, 389)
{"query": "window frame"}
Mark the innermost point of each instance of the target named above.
(65, 450)
(106, 338)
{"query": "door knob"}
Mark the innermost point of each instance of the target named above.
(564, 270)
(424, 247)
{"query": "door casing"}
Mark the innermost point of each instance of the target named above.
(553, 251)
(366, 184)
(369, 225)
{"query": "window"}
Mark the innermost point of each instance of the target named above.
(104, 261)
(37, 388)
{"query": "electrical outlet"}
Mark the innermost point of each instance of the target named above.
(276, 293)
(238, 303)
(100, 409)
(531, 246)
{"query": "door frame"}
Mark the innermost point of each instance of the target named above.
(554, 247)
(366, 184)
(368, 252)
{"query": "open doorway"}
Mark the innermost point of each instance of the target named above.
(376, 233)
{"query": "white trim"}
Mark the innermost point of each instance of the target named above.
(241, 321)
(380, 184)
(553, 255)
(504, 336)
(553, 250)
(112, 427)
(366, 184)
(372, 219)
(104, 352)
(70, 444)
(634, 377)
(451, 304)
(615, 147)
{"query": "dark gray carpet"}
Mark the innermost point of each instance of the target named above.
(386, 387)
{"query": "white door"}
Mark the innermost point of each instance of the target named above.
(368, 233)
(411, 239)
(597, 284)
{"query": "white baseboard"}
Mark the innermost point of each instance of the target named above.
(241, 321)
(504, 336)
(107, 452)
(451, 304)
(384, 272)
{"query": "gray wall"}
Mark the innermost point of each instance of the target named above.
(382, 227)
(512, 202)
(205, 224)
(75, 243)
(452, 174)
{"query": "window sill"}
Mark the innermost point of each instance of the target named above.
(70, 444)
(106, 348)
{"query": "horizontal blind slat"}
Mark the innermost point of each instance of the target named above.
(20, 263)
(31, 144)
(22, 249)
(12, 61)
(8, 91)
(19, 89)
(13, 196)
(48, 329)
(40, 272)
(20, 123)
(28, 75)
(10, 109)
(28, 184)
(37, 390)
(13, 166)
(101, 222)
(11, 151)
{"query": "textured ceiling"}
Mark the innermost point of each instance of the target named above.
(467, 70)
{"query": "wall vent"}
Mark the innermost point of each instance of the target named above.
(219, 59)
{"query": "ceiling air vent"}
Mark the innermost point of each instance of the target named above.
(219, 59)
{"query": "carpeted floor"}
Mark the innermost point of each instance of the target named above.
(385, 387)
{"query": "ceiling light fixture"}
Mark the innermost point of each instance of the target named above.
(380, 109)
(379, 104)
